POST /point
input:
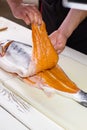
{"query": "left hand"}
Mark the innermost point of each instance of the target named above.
(58, 40)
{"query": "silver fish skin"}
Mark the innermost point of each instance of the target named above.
(80, 97)
(3, 46)
(17, 58)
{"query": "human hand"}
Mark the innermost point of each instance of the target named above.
(27, 12)
(58, 40)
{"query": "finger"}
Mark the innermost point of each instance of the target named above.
(26, 19)
(40, 21)
(37, 17)
(59, 51)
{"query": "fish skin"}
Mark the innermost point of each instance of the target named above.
(17, 58)
(81, 98)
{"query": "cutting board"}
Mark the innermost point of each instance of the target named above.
(64, 111)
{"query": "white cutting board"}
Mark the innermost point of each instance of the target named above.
(65, 112)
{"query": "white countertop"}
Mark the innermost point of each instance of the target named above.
(69, 58)
(17, 114)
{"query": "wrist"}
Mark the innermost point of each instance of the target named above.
(14, 3)
(63, 32)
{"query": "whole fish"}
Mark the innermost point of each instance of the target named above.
(38, 65)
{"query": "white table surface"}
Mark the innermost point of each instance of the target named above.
(7, 121)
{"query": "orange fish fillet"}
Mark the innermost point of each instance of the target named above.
(46, 57)
(44, 54)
